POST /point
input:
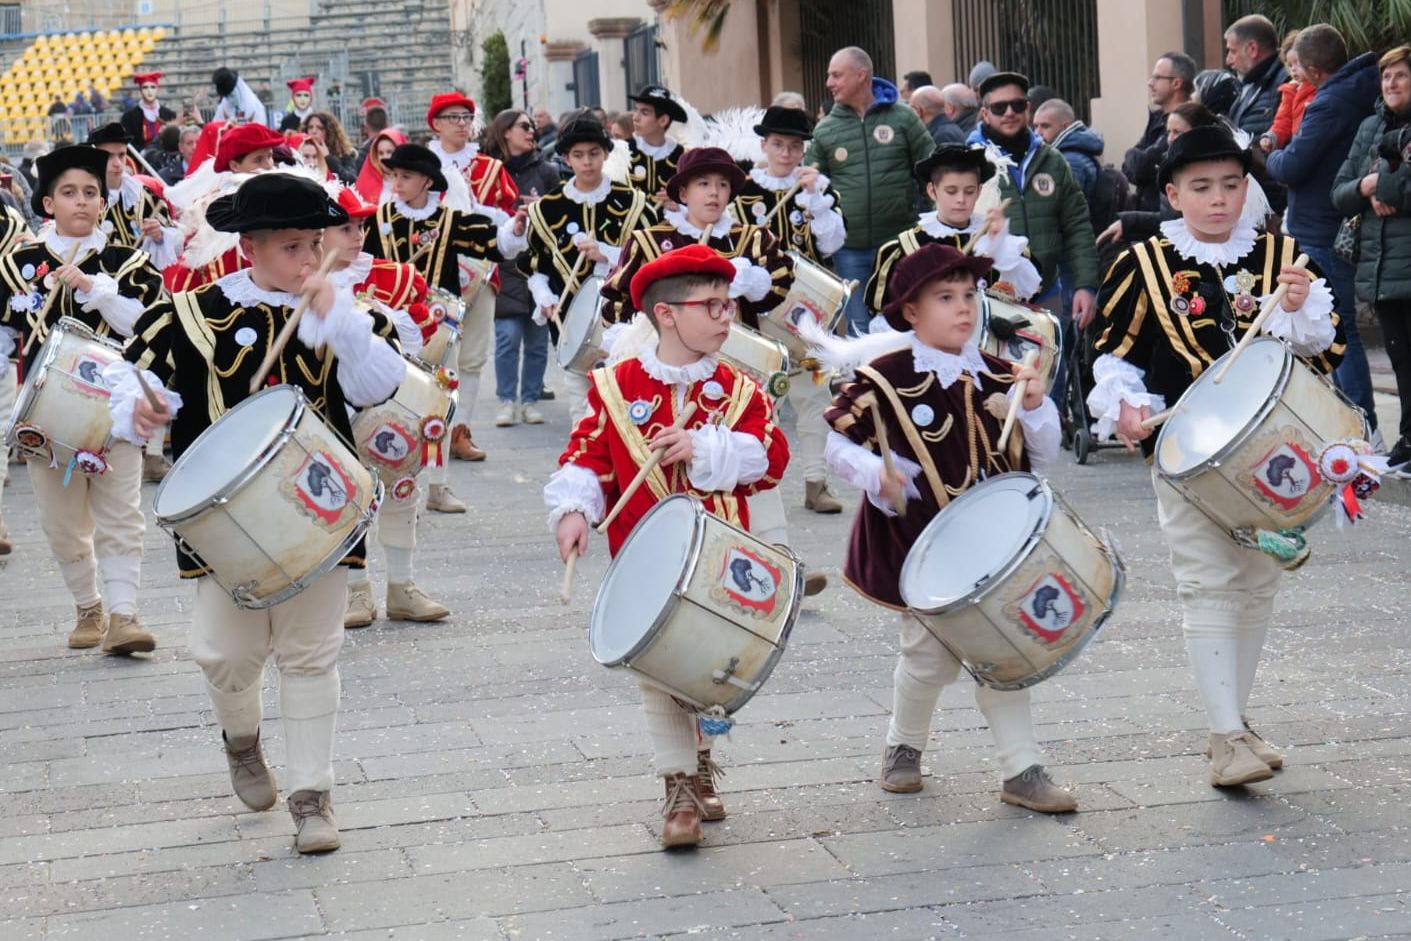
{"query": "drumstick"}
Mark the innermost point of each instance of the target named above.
(888, 465)
(970, 245)
(49, 301)
(567, 286)
(647, 468)
(566, 590)
(783, 200)
(1151, 421)
(157, 404)
(1274, 300)
(1030, 358)
(290, 326)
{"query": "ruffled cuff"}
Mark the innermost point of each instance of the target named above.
(408, 331)
(543, 293)
(1116, 381)
(508, 243)
(123, 393)
(1023, 278)
(344, 329)
(1043, 432)
(369, 369)
(751, 281)
(574, 489)
(826, 225)
(613, 254)
(165, 251)
(7, 345)
(611, 334)
(1006, 250)
(863, 469)
(725, 459)
(1309, 330)
(120, 312)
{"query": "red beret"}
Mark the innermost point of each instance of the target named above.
(693, 259)
(239, 141)
(144, 78)
(297, 85)
(446, 100)
(354, 204)
(928, 263)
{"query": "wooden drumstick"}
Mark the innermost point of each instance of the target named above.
(49, 301)
(157, 404)
(291, 325)
(1030, 358)
(888, 465)
(975, 237)
(1151, 421)
(783, 201)
(1274, 301)
(573, 281)
(647, 468)
(566, 590)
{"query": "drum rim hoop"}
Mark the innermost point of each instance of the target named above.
(34, 382)
(1215, 460)
(994, 579)
(243, 478)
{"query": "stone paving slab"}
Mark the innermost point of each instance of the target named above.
(494, 780)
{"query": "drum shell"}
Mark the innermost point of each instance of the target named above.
(1043, 328)
(816, 291)
(257, 545)
(72, 414)
(703, 632)
(475, 276)
(443, 347)
(419, 397)
(583, 317)
(985, 630)
(764, 359)
(1305, 410)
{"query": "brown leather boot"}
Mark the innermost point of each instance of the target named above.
(89, 629)
(124, 636)
(316, 830)
(901, 770)
(818, 498)
(1034, 789)
(712, 807)
(1233, 761)
(250, 777)
(681, 813)
(463, 446)
(1262, 749)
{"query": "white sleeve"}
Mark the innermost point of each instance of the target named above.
(724, 459)
(1008, 254)
(611, 334)
(123, 393)
(1043, 432)
(104, 299)
(369, 369)
(751, 281)
(613, 254)
(164, 252)
(508, 243)
(541, 291)
(1116, 381)
(1309, 330)
(826, 222)
(861, 468)
(574, 489)
(408, 333)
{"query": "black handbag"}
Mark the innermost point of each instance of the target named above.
(1347, 243)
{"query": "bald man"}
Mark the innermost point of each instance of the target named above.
(961, 105)
(930, 106)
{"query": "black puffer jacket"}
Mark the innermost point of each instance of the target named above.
(534, 176)
(1384, 242)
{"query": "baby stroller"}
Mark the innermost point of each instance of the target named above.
(1078, 421)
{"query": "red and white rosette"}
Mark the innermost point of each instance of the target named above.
(1357, 469)
(404, 488)
(433, 431)
(90, 462)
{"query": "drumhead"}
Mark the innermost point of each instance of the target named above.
(225, 450)
(578, 320)
(1209, 418)
(642, 579)
(973, 540)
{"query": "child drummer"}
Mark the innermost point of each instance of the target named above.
(729, 450)
(577, 231)
(90, 510)
(207, 346)
(1171, 306)
(400, 293)
(952, 177)
(942, 403)
(417, 227)
(136, 217)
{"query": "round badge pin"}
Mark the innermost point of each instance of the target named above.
(796, 217)
(27, 272)
(639, 412)
(1180, 306)
(572, 228)
(713, 390)
(759, 211)
(922, 415)
(883, 134)
(1043, 184)
(639, 172)
(246, 336)
(840, 154)
(385, 228)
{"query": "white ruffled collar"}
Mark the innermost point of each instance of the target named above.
(931, 224)
(353, 275)
(242, 291)
(461, 158)
(699, 371)
(677, 217)
(762, 177)
(1239, 244)
(575, 195)
(947, 366)
(433, 202)
(153, 111)
(59, 245)
(656, 153)
(129, 191)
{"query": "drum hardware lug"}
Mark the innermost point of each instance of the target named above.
(243, 597)
(721, 677)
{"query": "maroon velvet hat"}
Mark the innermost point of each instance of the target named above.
(700, 160)
(928, 263)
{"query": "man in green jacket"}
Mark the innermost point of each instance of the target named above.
(866, 146)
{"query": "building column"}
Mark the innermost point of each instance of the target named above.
(1131, 34)
(558, 74)
(924, 39)
(608, 33)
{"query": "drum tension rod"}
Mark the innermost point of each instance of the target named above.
(727, 675)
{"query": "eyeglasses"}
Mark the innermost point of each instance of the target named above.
(1162, 78)
(714, 307)
(1001, 108)
(525, 126)
(456, 117)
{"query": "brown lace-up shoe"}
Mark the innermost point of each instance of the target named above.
(315, 829)
(901, 770)
(250, 777)
(681, 813)
(1034, 789)
(712, 807)
(88, 631)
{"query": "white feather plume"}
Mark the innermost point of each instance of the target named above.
(732, 130)
(203, 243)
(618, 165)
(1256, 210)
(638, 336)
(841, 354)
(1242, 138)
(692, 131)
(201, 182)
(457, 189)
(990, 193)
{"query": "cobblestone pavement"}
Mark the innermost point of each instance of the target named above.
(494, 782)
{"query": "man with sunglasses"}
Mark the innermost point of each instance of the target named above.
(1046, 203)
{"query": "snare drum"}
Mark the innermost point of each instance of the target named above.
(475, 276)
(817, 293)
(394, 437)
(1043, 334)
(1011, 581)
(581, 339)
(62, 409)
(696, 607)
(268, 498)
(1246, 452)
(448, 311)
(765, 360)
